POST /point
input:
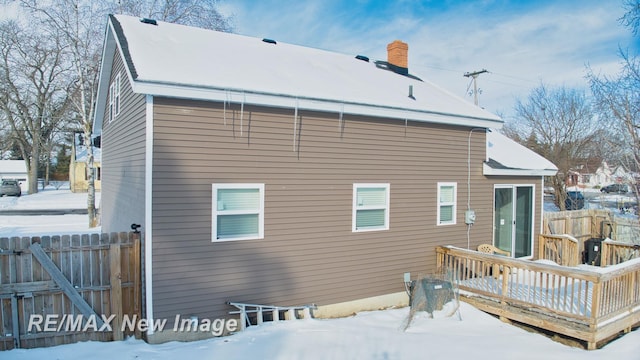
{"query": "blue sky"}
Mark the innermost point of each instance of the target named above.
(521, 43)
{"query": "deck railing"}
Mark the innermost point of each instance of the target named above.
(594, 298)
(562, 249)
(615, 252)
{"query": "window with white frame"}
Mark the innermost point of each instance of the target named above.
(370, 207)
(238, 212)
(447, 193)
(114, 98)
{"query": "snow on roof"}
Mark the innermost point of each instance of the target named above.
(81, 153)
(181, 61)
(13, 167)
(507, 157)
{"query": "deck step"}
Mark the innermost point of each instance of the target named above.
(269, 313)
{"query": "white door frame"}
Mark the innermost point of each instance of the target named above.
(514, 188)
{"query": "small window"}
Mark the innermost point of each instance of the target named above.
(238, 212)
(114, 98)
(96, 173)
(447, 193)
(111, 97)
(117, 96)
(370, 207)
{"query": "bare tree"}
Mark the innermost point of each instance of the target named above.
(631, 18)
(617, 98)
(559, 125)
(33, 89)
(199, 13)
(80, 24)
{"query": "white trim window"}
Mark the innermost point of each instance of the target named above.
(237, 212)
(370, 207)
(114, 98)
(447, 197)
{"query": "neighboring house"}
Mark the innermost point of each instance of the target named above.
(17, 170)
(603, 175)
(269, 173)
(78, 174)
(621, 175)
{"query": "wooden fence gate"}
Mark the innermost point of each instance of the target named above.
(63, 289)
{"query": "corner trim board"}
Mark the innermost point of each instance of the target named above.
(148, 214)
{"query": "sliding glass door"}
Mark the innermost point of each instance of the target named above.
(513, 219)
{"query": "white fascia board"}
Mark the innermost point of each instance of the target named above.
(106, 65)
(488, 170)
(288, 101)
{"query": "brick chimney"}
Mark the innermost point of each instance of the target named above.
(397, 53)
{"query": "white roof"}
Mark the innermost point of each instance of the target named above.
(180, 61)
(13, 167)
(507, 157)
(81, 153)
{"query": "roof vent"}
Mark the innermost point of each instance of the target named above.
(269, 41)
(362, 57)
(148, 21)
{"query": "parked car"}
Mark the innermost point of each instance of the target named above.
(615, 188)
(10, 188)
(574, 200)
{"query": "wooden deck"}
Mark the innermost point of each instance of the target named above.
(592, 304)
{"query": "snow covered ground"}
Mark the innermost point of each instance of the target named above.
(368, 335)
(594, 199)
(48, 199)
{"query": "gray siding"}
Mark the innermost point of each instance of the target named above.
(309, 253)
(123, 159)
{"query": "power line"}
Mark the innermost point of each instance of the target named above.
(514, 77)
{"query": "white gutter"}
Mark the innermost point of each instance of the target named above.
(315, 104)
(488, 170)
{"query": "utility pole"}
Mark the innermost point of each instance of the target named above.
(474, 75)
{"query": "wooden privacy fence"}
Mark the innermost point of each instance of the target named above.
(589, 305)
(586, 224)
(63, 289)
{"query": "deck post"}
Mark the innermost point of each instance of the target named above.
(541, 244)
(506, 272)
(595, 302)
(259, 319)
(243, 318)
(604, 254)
(291, 314)
(595, 311)
(306, 313)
